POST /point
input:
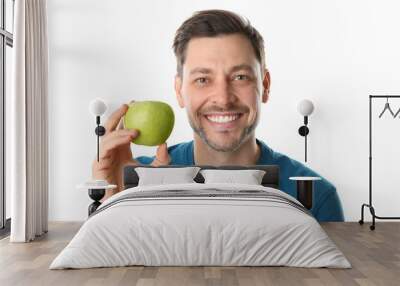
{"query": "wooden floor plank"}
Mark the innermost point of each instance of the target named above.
(374, 255)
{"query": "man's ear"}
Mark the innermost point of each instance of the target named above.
(266, 86)
(178, 87)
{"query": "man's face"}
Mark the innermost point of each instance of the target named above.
(221, 87)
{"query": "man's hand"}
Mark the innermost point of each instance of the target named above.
(115, 152)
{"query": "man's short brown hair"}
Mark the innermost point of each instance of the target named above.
(213, 23)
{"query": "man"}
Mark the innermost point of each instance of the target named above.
(221, 81)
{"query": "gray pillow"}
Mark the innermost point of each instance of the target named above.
(162, 176)
(248, 177)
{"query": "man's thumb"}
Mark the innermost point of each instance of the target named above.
(162, 156)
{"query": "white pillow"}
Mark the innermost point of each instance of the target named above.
(162, 176)
(249, 177)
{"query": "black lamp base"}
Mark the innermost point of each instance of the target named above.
(96, 195)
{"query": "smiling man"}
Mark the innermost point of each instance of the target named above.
(221, 81)
(221, 84)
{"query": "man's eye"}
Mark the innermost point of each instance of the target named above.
(241, 77)
(201, 80)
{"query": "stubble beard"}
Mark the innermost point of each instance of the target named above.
(232, 147)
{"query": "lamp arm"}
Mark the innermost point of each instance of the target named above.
(305, 148)
(98, 145)
(305, 120)
(100, 131)
(305, 138)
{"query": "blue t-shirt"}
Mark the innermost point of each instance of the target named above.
(326, 202)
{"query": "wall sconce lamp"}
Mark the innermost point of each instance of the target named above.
(97, 188)
(97, 107)
(305, 108)
(305, 185)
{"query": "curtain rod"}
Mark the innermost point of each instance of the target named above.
(384, 96)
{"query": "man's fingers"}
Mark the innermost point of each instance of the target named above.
(114, 118)
(162, 156)
(121, 124)
(110, 145)
(118, 133)
(121, 121)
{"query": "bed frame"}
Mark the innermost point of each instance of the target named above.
(131, 179)
(270, 179)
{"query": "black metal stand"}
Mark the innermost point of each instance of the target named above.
(100, 131)
(305, 193)
(304, 131)
(96, 195)
(369, 205)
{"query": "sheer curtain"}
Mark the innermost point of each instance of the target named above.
(28, 121)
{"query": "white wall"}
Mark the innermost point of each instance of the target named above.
(335, 53)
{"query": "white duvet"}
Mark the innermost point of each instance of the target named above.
(209, 229)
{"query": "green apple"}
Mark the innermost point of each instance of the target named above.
(154, 120)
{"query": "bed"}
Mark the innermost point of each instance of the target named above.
(200, 223)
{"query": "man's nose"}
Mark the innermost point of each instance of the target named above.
(222, 93)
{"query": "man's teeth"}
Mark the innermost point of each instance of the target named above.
(222, 119)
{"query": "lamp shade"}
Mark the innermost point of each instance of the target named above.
(305, 107)
(97, 107)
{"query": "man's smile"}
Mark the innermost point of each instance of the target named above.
(223, 121)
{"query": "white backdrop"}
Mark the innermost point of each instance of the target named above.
(335, 53)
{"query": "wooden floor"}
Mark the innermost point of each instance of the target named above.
(374, 255)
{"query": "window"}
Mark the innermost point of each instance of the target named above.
(6, 44)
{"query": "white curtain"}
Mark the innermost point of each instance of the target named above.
(28, 123)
